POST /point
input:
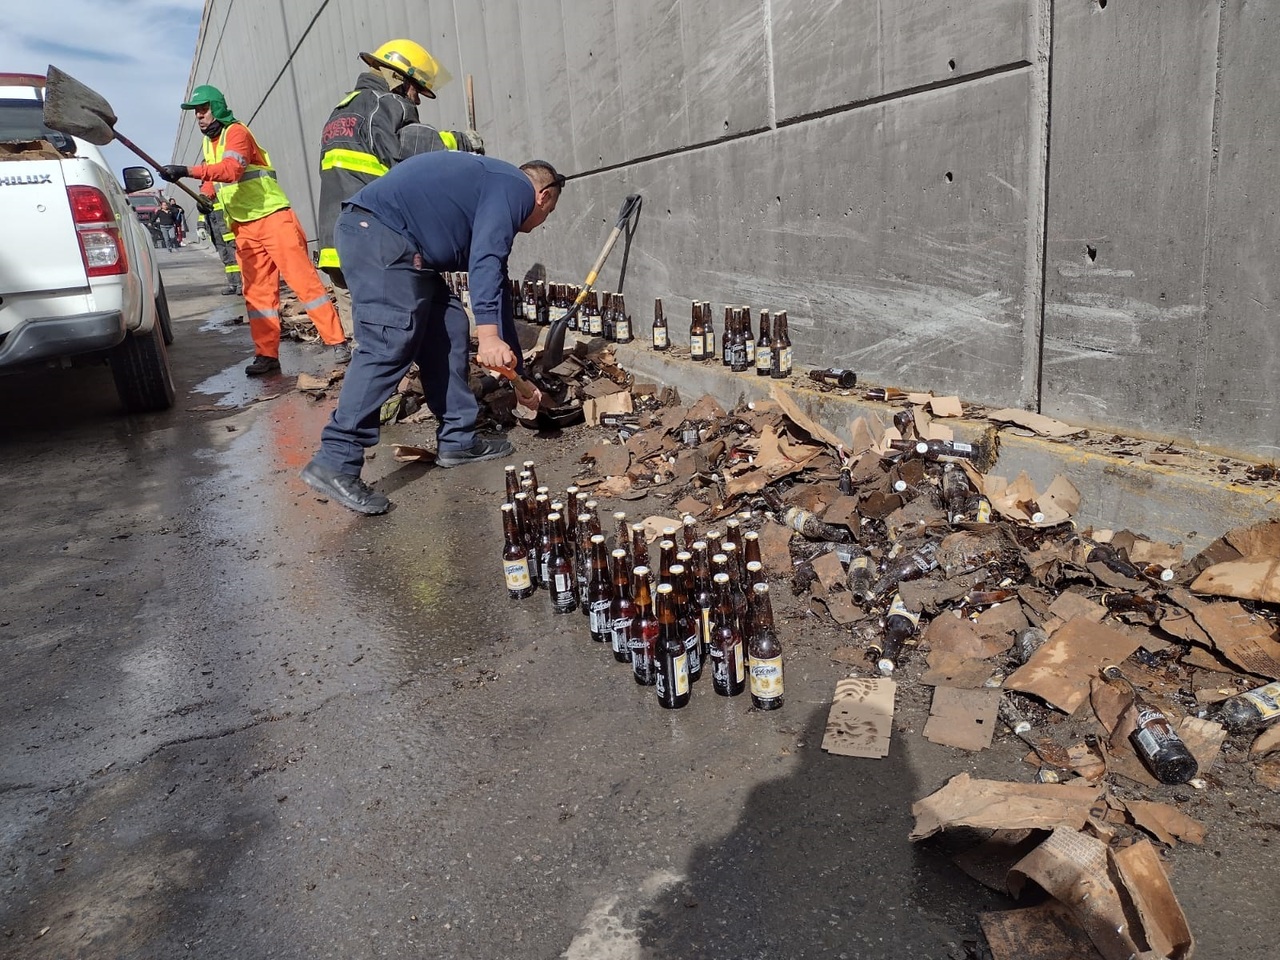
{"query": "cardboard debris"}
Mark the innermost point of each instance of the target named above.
(595, 407)
(1097, 885)
(1166, 823)
(1044, 932)
(1037, 423)
(946, 407)
(1061, 670)
(959, 670)
(965, 719)
(311, 384)
(1250, 578)
(1019, 500)
(965, 802)
(404, 453)
(1260, 539)
(1267, 742)
(1246, 640)
(1204, 738)
(861, 719)
(798, 417)
(653, 527)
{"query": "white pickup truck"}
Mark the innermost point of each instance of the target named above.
(78, 282)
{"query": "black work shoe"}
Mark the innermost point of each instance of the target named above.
(342, 352)
(485, 448)
(229, 291)
(261, 365)
(352, 492)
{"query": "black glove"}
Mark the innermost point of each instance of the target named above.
(173, 172)
(205, 205)
(470, 141)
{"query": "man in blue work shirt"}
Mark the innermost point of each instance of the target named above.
(429, 214)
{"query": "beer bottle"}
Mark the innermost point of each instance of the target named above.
(697, 333)
(703, 597)
(530, 535)
(622, 539)
(588, 527)
(564, 598)
(466, 293)
(805, 523)
(764, 347)
(740, 359)
(737, 573)
(1153, 738)
(543, 304)
(606, 316)
(940, 450)
(666, 557)
(690, 526)
(755, 574)
(1131, 603)
(515, 559)
(748, 338)
(912, 566)
(575, 316)
(688, 625)
(955, 492)
(751, 547)
(765, 652)
(713, 542)
(720, 563)
(511, 481)
(860, 575)
(599, 593)
(622, 331)
(728, 669)
(1251, 710)
(726, 342)
(708, 330)
(622, 610)
(660, 339)
(1114, 560)
(639, 545)
(572, 507)
(780, 368)
(1027, 641)
(900, 625)
(541, 510)
(733, 534)
(530, 312)
(644, 638)
(530, 469)
(835, 377)
(672, 674)
(884, 394)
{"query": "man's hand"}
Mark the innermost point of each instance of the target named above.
(472, 142)
(205, 204)
(173, 172)
(493, 350)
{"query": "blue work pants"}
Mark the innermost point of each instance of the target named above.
(403, 311)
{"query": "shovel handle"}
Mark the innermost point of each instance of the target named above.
(523, 387)
(156, 166)
(471, 102)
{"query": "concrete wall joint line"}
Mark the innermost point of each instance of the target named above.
(767, 10)
(1200, 359)
(1037, 242)
(288, 62)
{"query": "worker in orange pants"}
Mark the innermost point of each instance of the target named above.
(269, 240)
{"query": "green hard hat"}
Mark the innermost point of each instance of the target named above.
(211, 95)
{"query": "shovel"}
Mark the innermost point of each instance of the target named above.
(72, 108)
(553, 352)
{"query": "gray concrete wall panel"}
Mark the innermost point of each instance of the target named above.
(830, 54)
(1128, 188)
(1241, 393)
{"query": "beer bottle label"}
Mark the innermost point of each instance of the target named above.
(622, 329)
(621, 628)
(860, 563)
(517, 572)
(710, 347)
(766, 678)
(751, 351)
(983, 512)
(1266, 700)
(564, 583)
(784, 360)
(598, 616)
(693, 650)
(697, 347)
(681, 664)
(764, 358)
(899, 609)
(706, 625)
(739, 668)
(659, 337)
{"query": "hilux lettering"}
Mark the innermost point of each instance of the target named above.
(26, 178)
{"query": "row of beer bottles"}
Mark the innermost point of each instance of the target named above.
(602, 314)
(768, 353)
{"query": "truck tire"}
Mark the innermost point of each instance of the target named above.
(162, 314)
(140, 366)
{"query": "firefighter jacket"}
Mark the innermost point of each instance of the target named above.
(361, 141)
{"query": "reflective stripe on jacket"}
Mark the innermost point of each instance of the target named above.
(256, 193)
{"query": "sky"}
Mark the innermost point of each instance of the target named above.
(136, 53)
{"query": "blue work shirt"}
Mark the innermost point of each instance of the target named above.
(462, 211)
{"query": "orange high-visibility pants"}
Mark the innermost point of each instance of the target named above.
(268, 249)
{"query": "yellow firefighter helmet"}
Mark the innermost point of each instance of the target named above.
(412, 62)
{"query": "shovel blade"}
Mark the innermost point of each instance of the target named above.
(74, 109)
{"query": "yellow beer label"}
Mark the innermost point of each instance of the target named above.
(739, 663)
(766, 678)
(517, 572)
(1265, 699)
(784, 360)
(764, 358)
(622, 329)
(682, 675)
(659, 336)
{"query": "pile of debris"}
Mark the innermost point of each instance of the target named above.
(985, 590)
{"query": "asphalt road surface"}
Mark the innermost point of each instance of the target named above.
(236, 721)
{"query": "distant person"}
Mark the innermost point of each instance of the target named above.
(373, 128)
(179, 221)
(164, 219)
(432, 213)
(269, 240)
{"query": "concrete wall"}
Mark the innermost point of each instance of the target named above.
(1057, 204)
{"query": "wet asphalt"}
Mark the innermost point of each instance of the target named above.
(236, 721)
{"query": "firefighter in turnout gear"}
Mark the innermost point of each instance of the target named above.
(269, 239)
(373, 128)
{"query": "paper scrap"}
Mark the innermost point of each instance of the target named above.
(1060, 671)
(861, 719)
(965, 719)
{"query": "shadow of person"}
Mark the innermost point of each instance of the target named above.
(819, 865)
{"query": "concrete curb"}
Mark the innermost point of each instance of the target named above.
(1192, 504)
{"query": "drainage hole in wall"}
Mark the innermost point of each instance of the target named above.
(1102, 4)
(778, 199)
(952, 63)
(947, 176)
(1091, 252)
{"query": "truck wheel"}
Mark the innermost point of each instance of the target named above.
(162, 314)
(140, 366)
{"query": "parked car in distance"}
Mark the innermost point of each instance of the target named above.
(78, 281)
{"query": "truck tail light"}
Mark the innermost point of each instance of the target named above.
(101, 245)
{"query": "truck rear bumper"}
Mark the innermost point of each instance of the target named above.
(45, 338)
